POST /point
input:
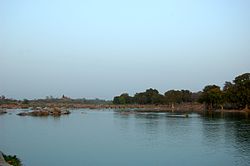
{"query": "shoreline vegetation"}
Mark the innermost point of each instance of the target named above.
(233, 97)
(8, 160)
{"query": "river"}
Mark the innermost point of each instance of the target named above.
(108, 137)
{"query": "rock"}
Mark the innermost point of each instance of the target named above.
(22, 114)
(47, 112)
(39, 113)
(2, 112)
(65, 112)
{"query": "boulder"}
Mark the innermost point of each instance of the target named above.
(23, 114)
(2, 112)
(47, 112)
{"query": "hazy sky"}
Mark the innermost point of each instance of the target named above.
(101, 48)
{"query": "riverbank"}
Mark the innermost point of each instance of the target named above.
(190, 107)
(181, 108)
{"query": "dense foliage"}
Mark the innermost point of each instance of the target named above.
(234, 95)
(212, 96)
(12, 160)
(176, 96)
(152, 96)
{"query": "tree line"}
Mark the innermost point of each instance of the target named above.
(234, 95)
(152, 96)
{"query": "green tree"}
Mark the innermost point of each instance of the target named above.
(150, 96)
(212, 96)
(177, 96)
(173, 96)
(241, 90)
(186, 96)
(123, 99)
(116, 100)
(195, 96)
(140, 98)
(229, 92)
(157, 99)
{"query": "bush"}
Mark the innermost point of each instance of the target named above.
(12, 160)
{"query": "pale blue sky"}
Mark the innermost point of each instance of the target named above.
(102, 48)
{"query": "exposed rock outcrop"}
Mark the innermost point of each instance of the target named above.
(2, 112)
(45, 112)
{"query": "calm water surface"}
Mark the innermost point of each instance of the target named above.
(94, 138)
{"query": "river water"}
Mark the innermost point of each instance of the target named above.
(107, 137)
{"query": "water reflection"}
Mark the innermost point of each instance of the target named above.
(147, 123)
(241, 131)
(230, 135)
(141, 122)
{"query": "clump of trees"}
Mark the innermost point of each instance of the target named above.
(178, 96)
(152, 96)
(234, 95)
(123, 99)
(212, 96)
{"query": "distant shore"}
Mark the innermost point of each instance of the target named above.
(191, 107)
(184, 107)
